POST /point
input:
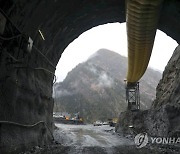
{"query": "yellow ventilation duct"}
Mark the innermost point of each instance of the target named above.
(141, 20)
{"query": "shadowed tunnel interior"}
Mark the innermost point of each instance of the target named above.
(26, 78)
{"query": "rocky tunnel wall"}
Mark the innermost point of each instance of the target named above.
(26, 78)
(25, 98)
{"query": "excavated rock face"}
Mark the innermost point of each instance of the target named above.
(168, 89)
(25, 91)
(168, 95)
(25, 98)
(164, 116)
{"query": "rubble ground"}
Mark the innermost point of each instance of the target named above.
(89, 139)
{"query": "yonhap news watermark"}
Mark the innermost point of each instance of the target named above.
(143, 139)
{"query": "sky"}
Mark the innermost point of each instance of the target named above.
(113, 37)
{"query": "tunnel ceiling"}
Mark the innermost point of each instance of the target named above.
(61, 21)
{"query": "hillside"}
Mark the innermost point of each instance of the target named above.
(95, 88)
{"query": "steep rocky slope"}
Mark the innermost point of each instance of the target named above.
(164, 116)
(96, 87)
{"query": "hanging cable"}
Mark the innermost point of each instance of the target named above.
(44, 57)
(9, 20)
(28, 125)
(10, 38)
(40, 68)
(38, 52)
(12, 57)
(25, 38)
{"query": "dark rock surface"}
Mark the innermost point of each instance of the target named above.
(163, 119)
(25, 98)
(168, 89)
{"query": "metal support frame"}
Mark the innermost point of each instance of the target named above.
(133, 96)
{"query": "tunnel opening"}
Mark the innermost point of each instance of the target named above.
(77, 57)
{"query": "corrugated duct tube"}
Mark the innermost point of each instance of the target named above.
(141, 21)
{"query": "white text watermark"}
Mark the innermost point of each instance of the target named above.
(142, 140)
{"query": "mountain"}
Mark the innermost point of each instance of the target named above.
(96, 88)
